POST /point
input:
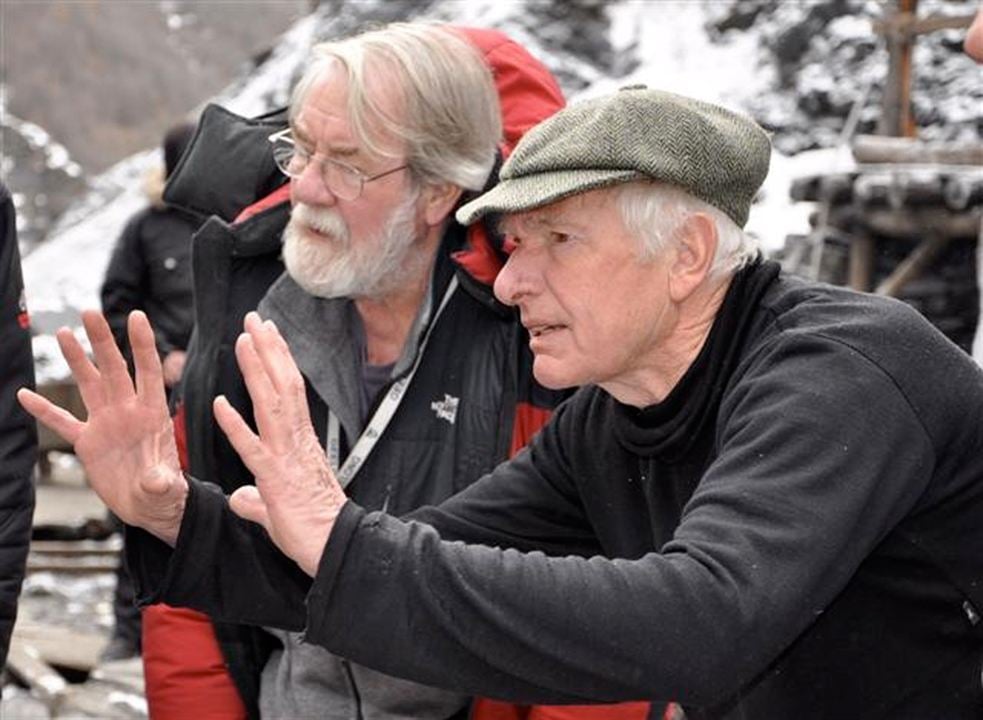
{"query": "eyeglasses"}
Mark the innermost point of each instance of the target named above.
(344, 181)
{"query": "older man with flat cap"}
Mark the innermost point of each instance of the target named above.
(765, 502)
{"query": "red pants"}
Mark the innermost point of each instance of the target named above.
(183, 668)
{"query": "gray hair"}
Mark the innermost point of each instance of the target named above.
(451, 123)
(653, 212)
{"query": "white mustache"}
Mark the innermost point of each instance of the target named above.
(323, 220)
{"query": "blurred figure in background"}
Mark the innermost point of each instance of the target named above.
(18, 436)
(150, 270)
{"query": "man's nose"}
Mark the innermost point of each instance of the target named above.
(309, 187)
(518, 279)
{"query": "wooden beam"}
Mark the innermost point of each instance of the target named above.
(920, 222)
(25, 662)
(909, 151)
(913, 265)
(921, 26)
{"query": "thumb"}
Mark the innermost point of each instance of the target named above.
(247, 503)
(158, 480)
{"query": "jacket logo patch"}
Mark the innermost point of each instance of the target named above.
(446, 409)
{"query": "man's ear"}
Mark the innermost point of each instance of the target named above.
(439, 201)
(695, 249)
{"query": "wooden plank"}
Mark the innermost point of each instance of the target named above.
(921, 222)
(913, 265)
(896, 150)
(921, 26)
(61, 646)
(77, 547)
(26, 663)
(72, 566)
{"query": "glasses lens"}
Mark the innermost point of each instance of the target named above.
(343, 181)
(287, 158)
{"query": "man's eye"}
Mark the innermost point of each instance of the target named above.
(558, 237)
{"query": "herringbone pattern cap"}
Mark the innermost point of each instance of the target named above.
(636, 133)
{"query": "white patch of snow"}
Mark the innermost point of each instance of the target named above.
(63, 275)
(49, 364)
(677, 55)
(849, 27)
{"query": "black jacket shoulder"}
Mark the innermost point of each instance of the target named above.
(18, 434)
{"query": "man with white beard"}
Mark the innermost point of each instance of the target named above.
(387, 131)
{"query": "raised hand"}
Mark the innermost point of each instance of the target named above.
(127, 442)
(296, 497)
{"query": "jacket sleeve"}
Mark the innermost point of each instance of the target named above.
(803, 488)
(125, 282)
(222, 565)
(18, 434)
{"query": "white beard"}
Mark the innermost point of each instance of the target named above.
(335, 267)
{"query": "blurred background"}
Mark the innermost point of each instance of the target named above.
(876, 179)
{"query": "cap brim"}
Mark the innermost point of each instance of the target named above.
(519, 194)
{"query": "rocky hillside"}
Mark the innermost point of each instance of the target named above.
(85, 84)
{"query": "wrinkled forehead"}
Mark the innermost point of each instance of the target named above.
(577, 211)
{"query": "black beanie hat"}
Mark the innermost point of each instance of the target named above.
(175, 141)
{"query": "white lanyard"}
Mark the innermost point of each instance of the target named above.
(383, 414)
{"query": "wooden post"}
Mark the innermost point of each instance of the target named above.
(861, 262)
(896, 119)
(900, 27)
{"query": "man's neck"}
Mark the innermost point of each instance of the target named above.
(387, 320)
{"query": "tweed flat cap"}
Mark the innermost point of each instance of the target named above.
(636, 133)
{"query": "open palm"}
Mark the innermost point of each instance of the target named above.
(296, 497)
(127, 442)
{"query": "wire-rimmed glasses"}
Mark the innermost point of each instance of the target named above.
(344, 181)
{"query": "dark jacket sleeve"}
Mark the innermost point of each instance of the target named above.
(18, 434)
(125, 283)
(774, 531)
(222, 565)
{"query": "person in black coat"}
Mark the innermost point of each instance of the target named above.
(150, 270)
(18, 433)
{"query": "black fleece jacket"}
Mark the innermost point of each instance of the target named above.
(806, 542)
(150, 270)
